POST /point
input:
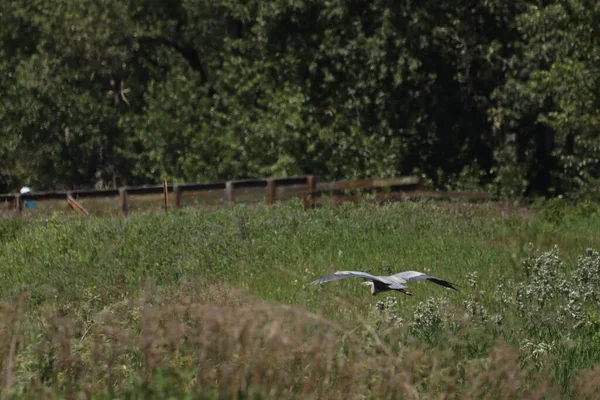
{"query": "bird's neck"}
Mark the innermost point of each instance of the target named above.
(374, 290)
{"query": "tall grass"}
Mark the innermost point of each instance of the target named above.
(217, 304)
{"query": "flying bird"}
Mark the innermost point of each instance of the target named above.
(380, 284)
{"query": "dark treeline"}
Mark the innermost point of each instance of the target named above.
(501, 95)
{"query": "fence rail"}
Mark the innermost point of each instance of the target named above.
(305, 187)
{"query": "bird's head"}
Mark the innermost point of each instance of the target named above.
(372, 285)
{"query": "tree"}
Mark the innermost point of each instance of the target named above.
(550, 101)
(113, 92)
(74, 69)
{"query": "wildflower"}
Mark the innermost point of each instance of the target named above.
(536, 352)
(472, 279)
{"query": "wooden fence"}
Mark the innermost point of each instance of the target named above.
(305, 187)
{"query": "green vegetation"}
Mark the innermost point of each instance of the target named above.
(492, 94)
(216, 304)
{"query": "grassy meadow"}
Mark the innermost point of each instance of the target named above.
(216, 304)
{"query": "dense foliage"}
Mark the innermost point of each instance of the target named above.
(489, 93)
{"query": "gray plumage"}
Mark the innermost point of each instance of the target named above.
(386, 283)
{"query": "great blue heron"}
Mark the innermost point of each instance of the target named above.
(385, 283)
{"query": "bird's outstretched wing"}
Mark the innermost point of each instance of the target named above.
(345, 274)
(414, 276)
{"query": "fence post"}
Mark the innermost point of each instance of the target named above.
(271, 191)
(177, 194)
(75, 206)
(229, 192)
(10, 203)
(311, 182)
(19, 204)
(123, 201)
(421, 183)
(166, 195)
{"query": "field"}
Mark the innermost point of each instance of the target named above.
(216, 303)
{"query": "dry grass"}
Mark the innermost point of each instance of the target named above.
(217, 342)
